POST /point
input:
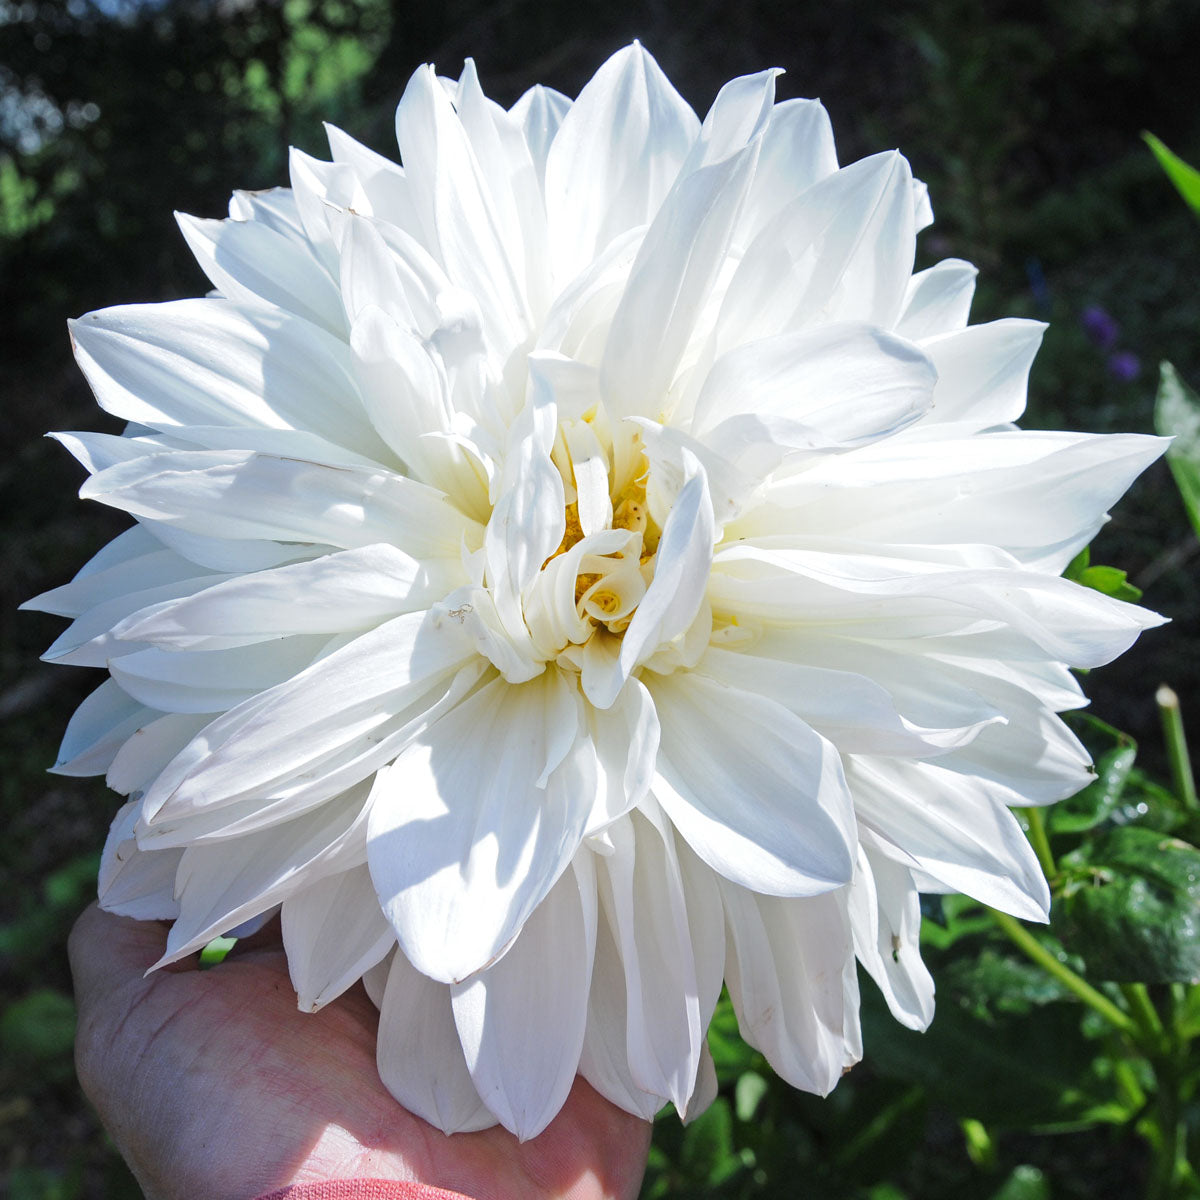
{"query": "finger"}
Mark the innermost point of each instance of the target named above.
(106, 952)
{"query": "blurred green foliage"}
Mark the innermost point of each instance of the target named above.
(1184, 176)
(1024, 119)
(1019, 1088)
(1177, 415)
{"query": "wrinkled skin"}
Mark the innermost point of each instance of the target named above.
(213, 1084)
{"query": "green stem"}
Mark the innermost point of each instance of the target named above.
(1177, 1009)
(1169, 1142)
(1177, 750)
(1146, 1015)
(1127, 1082)
(1040, 842)
(1019, 935)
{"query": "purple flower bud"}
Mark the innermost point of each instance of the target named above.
(1125, 365)
(1100, 326)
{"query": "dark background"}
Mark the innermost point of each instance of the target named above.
(1024, 118)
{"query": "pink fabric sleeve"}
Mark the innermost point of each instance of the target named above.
(362, 1189)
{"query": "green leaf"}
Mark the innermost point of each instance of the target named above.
(1078, 564)
(215, 952)
(1025, 1183)
(72, 885)
(1110, 580)
(1177, 415)
(947, 919)
(1189, 1013)
(1012, 1071)
(881, 1124)
(747, 1095)
(1100, 799)
(731, 1056)
(1185, 178)
(1131, 907)
(45, 1183)
(707, 1155)
(39, 1029)
(992, 984)
(45, 918)
(1149, 804)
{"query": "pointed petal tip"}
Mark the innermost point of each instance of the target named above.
(1023, 906)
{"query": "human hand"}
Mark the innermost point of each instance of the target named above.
(214, 1084)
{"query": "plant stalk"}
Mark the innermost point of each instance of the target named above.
(1040, 842)
(1023, 939)
(1177, 749)
(1146, 1015)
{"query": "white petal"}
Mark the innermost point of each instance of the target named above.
(125, 547)
(452, 197)
(220, 886)
(927, 593)
(375, 978)
(614, 158)
(938, 300)
(784, 972)
(540, 111)
(740, 114)
(512, 182)
(521, 1021)
(625, 737)
(852, 710)
(211, 681)
(251, 263)
(983, 371)
(235, 495)
(369, 275)
(842, 251)
(284, 443)
(605, 1060)
(89, 640)
(641, 890)
(704, 1091)
(206, 362)
(136, 883)
(150, 748)
(682, 254)
(220, 554)
(527, 523)
(274, 207)
(277, 736)
(779, 822)
(706, 926)
(797, 151)
(333, 932)
(95, 587)
(324, 193)
(1040, 496)
(465, 840)
(922, 209)
(419, 1055)
(846, 382)
(951, 828)
(382, 181)
(885, 914)
(97, 730)
(350, 591)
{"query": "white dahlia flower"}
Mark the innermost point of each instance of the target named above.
(574, 569)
